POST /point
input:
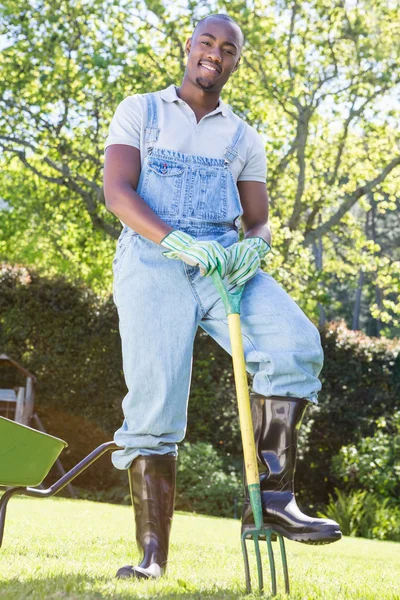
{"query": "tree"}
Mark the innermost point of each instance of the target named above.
(316, 79)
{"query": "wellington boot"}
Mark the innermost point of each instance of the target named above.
(152, 486)
(276, 423)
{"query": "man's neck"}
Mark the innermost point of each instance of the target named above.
(200, 101)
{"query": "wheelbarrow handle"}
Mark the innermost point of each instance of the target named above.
(231, 302)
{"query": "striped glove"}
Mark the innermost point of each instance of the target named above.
(209, 256)
(245, 259)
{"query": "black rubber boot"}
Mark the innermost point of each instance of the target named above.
(276, 422)
(152, 485)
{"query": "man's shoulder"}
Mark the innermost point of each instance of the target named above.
(131, 102)
(141, 99)
(233, 115)
(250, 131)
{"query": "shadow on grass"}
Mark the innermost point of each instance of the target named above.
(77, 587)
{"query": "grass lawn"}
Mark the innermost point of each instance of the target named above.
(59, 548)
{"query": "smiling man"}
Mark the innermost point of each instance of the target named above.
(180, 170)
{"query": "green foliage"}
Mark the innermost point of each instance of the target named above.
(331, 147)
(204, 484)
(373, 463)
(69, 339)
(212, 412)
(346, 510)
(360, 384)
(361, 514)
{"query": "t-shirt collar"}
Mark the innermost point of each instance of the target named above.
(170, 95)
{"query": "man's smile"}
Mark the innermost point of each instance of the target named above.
(210, 67)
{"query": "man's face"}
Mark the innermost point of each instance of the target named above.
(213, 54)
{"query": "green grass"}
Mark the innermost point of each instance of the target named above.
(59, 548)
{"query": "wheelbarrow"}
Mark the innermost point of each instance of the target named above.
(26, 457)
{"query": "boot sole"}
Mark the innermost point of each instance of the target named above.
(316, 539)
(133, 575)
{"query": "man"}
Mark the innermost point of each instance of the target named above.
(180, 169)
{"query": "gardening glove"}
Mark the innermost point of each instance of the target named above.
(245, 258)
(209, 256)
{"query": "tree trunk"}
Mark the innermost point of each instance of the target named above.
(317, 250)
(378, 291)
(357, 306)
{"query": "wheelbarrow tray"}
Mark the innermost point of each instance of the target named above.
(26, 455)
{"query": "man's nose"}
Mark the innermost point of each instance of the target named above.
(215, 55)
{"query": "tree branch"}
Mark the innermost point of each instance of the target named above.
(275, 93)
(302, 134)
(289, 46)
(349, 201)
(352, 114)
(283, 163)
(66, 180)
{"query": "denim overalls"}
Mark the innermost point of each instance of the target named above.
(161, 302)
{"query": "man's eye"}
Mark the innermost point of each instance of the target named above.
(206, 43)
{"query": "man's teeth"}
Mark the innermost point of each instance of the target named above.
(208, 67)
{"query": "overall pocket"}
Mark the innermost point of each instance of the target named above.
(162, 186)
(121, 252)
(207, 196)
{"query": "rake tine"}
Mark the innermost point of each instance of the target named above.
(284, 564)
(246, 564)
(271, 562)
(259, 564)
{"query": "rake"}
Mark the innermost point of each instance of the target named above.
(231, 302)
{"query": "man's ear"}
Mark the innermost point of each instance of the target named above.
(235, 68)
(188, 45)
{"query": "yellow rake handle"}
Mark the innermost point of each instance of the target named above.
(243, 399)
(231, 302)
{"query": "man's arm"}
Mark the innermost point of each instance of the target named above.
(121, 176)
(254, 200)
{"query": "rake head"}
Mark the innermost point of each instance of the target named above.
(267, 534)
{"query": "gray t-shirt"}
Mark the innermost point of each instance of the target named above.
(179, 131)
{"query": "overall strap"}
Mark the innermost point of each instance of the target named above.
(231, 151)
(151, 131)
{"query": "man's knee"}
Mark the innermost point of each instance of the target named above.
(307, 339)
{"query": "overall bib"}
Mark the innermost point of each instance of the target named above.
(161, 302)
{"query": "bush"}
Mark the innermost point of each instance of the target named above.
(360, 384)
(206, 483)
(68, 337)
(361, 514)
(373, 463)
(203, 484)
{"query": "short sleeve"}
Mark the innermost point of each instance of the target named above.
(126, 124)
(255, 167)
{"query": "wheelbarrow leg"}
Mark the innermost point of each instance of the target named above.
(3, 507)
(57, 486)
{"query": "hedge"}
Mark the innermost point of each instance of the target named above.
(69, 339)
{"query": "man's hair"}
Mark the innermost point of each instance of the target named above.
(225, 18)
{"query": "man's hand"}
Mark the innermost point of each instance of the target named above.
(245, 259)
(209, 256)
